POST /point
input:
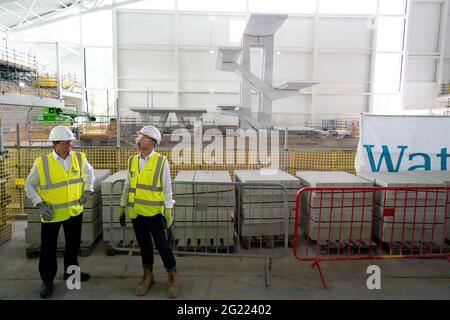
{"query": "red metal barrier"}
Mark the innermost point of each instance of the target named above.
(371, 223)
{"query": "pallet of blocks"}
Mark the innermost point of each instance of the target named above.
(262, 210)
(335, 217)
(119, 234)
(202, 212)
(444, 177)
(402, 216)
(90, 231)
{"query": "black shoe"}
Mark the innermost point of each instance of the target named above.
(47, 290)
(83, 276)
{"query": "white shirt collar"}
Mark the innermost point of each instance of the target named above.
(56, 156)
(147, 157)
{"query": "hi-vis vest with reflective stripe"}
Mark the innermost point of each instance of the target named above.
(60, 189)
(146, 197)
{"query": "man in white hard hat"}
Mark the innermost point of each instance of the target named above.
(148, 196)
(58, 185)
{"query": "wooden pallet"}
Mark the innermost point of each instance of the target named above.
(86, 248)
(415, 248)
(336, 247)
(267, 242)
(195, 246)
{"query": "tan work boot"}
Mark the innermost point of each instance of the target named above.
(145, 284)
(172, 284)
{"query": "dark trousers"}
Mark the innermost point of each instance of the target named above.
(49, 238)
(147, 228)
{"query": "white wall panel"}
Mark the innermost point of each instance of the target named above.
(334, 104)
(210, 101)
(150, 84)
(424, 27)
(349, 87)
(344, 33)
(145, 28)
(343, 67)
(418, 96)
(211, 84)
(296, 32)
(447, 41)
(292, 66)
(220, 31)
(297, 103)
(145, 63)
(421, 70)
(139, 99)
(194, 30)
(446, 73)
(201, 65)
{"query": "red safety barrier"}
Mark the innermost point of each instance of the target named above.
(365, 223)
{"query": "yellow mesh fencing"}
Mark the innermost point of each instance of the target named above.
(18, 163)
(10, 196)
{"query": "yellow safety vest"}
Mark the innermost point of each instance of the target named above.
(146, 197)
(60, 189)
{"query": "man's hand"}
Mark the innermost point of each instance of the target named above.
(45, 211)
(122, 217)
(84, 197)
(168, 218)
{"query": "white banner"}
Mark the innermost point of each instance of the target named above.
(403, 143)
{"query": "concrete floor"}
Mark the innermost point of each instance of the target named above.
(204, 278)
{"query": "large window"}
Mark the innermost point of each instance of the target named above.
(99, 81)
(97, 28)
(389, 57)
(236, 29)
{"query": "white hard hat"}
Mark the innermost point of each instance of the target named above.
(152, 132)
(61, 133)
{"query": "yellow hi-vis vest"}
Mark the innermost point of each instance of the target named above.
(59, 189)
(146, 197)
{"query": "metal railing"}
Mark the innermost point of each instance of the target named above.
(221, 220)
(364, 223)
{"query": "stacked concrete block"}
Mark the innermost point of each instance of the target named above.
(92, 223)
(119, 233)
(262, 208)
(202, 214)
(339, 215)
(407, 216)
(444, 177)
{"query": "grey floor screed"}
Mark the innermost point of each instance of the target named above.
(204, 278)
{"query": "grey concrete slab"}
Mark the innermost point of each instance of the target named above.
(411, 214)
(388, 231)
(344, 231)
(202, 235)
(328, 179)
(107, 183)
(398, 179)
(338, 214)
(211, 214)
(89, 215)
(89, 232)
(264, 228)
(443, 176)
(267, 176)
